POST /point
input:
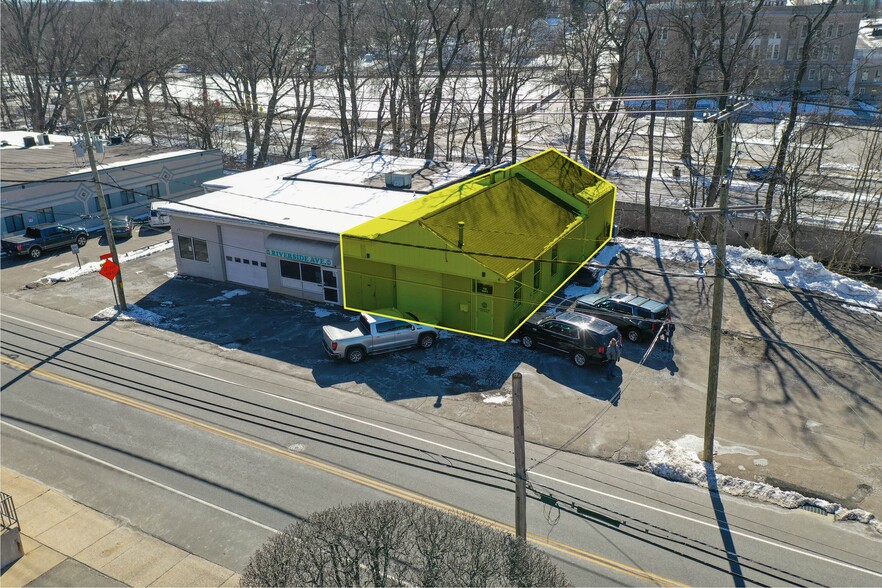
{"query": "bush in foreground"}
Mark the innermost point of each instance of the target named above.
(393, 544)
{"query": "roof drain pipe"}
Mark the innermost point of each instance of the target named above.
(461, 230)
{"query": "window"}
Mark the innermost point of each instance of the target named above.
(311, 273)
(876, 77)
(14, 223)
(663, 34)
(799, 52)
(517, 289)
(537, 274)
(839, 29)
(836, 52)
(813, 75)
(829, 32)
(195, 249)
(127, 197)
(45, 215)
(865, 75)
(774, 51)
(290, 269)
(152, 190)
(754, 48)
(790, 53)
(554, 258)
(825, 53)
(106, 203)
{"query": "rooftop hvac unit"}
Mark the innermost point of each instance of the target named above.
(394, 180)
(29, 142)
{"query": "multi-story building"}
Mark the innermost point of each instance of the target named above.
(770, 58)
(865, 82)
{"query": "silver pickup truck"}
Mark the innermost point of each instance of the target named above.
(374, 335)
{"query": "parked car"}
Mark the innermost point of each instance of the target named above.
(583, 338)
(636, 316)
(121, 226)
(375, 334)
(761, 174)
(40, 238)
(587, 275)
(158, 220)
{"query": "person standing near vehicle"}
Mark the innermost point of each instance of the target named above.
(668, 335)
(613, 355)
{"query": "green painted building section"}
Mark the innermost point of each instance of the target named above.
(482, 255)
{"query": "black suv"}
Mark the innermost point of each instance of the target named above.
(636, 316)
(583, 338)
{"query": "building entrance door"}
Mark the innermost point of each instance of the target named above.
(484, 313)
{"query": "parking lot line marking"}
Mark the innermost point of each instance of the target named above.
(690, 519)
(333, 470)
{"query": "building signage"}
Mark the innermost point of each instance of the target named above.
(301, 257)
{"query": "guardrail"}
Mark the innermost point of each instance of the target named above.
(8, 516)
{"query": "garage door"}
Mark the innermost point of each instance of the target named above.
(244, 257)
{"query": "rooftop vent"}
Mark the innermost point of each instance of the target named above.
(394, 180)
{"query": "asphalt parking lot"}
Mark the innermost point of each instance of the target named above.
(800, 398)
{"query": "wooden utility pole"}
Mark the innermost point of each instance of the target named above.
(100, 192)
(517, 405)
(723, 121)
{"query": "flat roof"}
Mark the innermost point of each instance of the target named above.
(19, 165)
(319, 195)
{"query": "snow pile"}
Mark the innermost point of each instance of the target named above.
(805, 273)
(94, 266)
(134, 314)
(678, 461)
(227, 294)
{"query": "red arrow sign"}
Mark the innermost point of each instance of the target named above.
(109, 270)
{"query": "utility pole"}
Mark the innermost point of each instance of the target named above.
(517, 405)
(723, 120)
(100, 192)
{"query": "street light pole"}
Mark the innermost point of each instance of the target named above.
(100, 192)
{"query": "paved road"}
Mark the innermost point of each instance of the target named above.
(234, 450)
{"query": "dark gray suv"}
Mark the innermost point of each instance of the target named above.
(636, 316)
(583, 338)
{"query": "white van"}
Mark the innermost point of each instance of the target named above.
(158, 219)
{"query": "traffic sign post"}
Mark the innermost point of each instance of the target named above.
(109, 270)
(76, 251)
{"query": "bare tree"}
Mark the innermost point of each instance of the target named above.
(396, 544)
(41, 51)
(809, 24)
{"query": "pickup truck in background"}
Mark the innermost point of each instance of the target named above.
(375, 334)
(40, 238)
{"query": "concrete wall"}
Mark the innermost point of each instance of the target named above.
(811, 240)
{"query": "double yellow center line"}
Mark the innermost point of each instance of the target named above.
(365, 481)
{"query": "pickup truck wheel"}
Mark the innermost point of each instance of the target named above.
(81, 241)
(354, 354)
(633, 335)
(426, 340)
(580, 359)
(35, 252)
(527, 341)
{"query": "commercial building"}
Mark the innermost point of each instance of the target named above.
(279, 227)
(866, 79)
(525, 229)
(482, 255)
(47, 178)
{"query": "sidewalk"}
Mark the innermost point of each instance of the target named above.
(69, 544)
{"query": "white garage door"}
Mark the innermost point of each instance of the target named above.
(244, 257)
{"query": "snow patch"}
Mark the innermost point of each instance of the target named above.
(227, 294)
(134, 314)
(678, 461)
(322, 312)
(497, 399)
(802, 273)
(68, 275)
